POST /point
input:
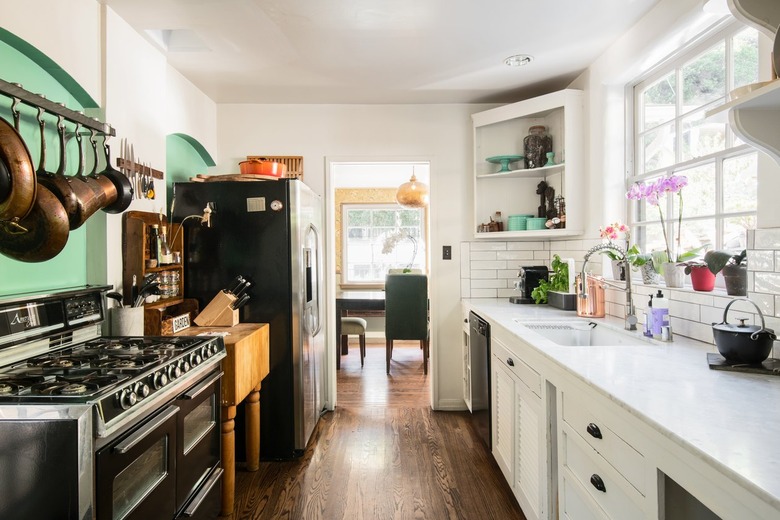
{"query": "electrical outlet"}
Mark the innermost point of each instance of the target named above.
(446, 252)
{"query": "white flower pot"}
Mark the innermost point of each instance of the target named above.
(674, 275)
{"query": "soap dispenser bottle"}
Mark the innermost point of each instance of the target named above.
(660, 314)
(649, 318)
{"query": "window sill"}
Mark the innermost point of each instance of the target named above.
(687, 288)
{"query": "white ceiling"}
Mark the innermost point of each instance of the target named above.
(379, 51)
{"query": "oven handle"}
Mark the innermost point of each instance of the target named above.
(203, 493)
(195, 391)
(141, 434)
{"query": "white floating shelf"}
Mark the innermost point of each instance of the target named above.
(544, 171)
(530, 235)
(765, 98)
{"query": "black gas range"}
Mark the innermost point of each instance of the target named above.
(104, 427)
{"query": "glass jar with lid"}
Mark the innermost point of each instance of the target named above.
(536, 145)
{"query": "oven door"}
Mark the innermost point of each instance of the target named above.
(199, 436)
(136, 472)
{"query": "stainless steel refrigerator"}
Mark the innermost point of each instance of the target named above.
(270, 233)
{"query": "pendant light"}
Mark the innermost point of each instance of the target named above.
(412, 194)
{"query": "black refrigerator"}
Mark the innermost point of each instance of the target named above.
(270, 233)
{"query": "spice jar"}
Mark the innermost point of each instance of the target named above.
(536, 145)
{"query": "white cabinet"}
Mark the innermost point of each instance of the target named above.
(500, 131)
(754, 117)
(519, 429)
(604, 471)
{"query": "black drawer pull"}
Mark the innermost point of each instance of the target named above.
(598, 483)
(510, 362)
(594, 431)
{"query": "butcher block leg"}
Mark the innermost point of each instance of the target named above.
(252, 407)
(228, 459)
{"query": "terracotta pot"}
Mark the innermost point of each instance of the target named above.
(702, 278)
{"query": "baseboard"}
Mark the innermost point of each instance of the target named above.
(450, 405)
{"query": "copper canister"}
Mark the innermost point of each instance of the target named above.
(592, 306)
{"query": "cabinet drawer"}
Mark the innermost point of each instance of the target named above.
(620, 454)
(575, 502)
(520, 369)
(600, 481)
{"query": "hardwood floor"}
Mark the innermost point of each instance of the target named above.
(382, 454)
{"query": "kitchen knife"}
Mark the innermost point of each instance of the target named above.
(240, 302)
(242, 289)
(234, 285)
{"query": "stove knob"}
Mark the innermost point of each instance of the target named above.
(127, 399)
(174, 372)
(184, 365)
(205, 353)
(195, 359)
(142, 390)
(160, 380)
(214, 349)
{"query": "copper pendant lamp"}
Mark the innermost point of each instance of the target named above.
(412, 194)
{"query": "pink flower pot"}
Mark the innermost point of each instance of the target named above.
(702, 278)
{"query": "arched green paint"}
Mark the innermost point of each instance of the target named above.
(185, 157)
(69, 268)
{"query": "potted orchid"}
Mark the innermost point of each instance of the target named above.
(653, 193)
(612, 232)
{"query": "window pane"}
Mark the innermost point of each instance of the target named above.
(658, 146)
(654, 238)
(696, 234)
(745, 57)
(701, 136)
(358, 217)
(735, 232)
(704, 78)
(659, 102)
(699, 194)
(740, 182)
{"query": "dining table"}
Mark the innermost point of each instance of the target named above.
(357, 303)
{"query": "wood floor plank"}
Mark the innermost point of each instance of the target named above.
(382, 454)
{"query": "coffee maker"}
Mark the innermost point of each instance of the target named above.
(529, 279)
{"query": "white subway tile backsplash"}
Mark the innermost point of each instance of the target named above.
(489, 269)
(488, 284)
(488, 246)
(767, 239)
(514, 255)
(484, 293)
(761, 260)
(765, 302)
(484, 255)
(495, 264)
(482, 274)
(525, 246)
(685, 310)
(767, 283)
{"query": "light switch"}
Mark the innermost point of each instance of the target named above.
(446, 252)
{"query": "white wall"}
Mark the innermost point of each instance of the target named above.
(142, 99)
(442, 133)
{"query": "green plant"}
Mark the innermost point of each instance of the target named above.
(717, 260)
(559, 281)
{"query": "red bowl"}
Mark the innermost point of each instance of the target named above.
(255, 167)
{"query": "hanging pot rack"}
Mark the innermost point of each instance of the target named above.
(18, 93)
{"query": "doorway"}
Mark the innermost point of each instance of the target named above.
(355, 188)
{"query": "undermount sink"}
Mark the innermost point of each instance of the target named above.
(582, 333)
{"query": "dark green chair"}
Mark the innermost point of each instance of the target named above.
(406, 312)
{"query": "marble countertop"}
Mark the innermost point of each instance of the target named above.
(729, 419)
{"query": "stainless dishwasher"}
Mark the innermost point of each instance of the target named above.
(479, 345)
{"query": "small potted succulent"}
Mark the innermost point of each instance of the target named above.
(734, 267)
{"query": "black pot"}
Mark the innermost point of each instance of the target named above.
(743, 343)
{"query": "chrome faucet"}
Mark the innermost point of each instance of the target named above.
(631, 319)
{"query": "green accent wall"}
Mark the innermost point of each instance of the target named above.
(68, 269)
(185, 157)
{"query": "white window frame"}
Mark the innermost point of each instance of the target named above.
(723, 31)
(421, 242)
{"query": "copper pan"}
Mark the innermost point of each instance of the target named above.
(47, 231)
(17, 175)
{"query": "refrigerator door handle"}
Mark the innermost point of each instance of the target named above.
(313, 278)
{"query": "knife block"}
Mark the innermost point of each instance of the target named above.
(218, 312)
